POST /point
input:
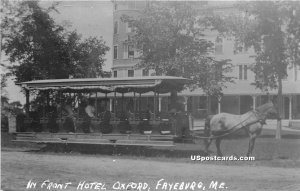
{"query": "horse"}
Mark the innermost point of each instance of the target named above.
(220, 125)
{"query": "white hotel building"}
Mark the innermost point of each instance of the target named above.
(239, 97)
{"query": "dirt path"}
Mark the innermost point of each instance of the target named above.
(20, 167)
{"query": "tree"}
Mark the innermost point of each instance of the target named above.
(38, 48)
(42, 49)
(169, 38)
(4, 98)
(292, 15)
(272, 30)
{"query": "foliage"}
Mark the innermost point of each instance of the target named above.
(292, 15)
(42, 49)
(169, 38)
(272, 29)
(4, 98)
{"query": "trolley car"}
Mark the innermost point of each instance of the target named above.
(129, 123)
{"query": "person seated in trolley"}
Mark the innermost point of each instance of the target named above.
(105, 126)
(89, 113)
(69, 124)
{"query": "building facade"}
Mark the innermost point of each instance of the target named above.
(239, 97)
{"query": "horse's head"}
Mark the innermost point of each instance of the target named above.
(268, 109)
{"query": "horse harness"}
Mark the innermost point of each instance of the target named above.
(262, 121)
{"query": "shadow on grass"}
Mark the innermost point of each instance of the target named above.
(122, 150)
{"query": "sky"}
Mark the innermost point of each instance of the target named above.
(89, 18)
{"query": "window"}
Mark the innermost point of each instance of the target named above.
(116, 27)
(115, 74)
(130, 73)
(115, 52)
(239, 48)
(243, 70)
(131, 4)
(219, 45)
(130, 51)
(129, 27)
(145, 72)
(125, 51)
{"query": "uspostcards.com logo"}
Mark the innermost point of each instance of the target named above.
(221, 158)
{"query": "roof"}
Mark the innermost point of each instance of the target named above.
(246, 88)
(160, 84)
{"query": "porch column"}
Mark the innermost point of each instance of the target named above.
(219, 104)
(254, 102)
(290, 107)
(110, 104)
(185, 103)
(159, 104)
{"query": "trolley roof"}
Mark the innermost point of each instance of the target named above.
(160, 84)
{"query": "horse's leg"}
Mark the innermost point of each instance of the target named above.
(207, 143)
(251, 144)
(218, 143)
(253, 136)
(207, 133)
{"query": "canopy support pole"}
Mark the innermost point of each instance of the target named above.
(105, 102)
(115, 102)
(134, 104)
(154, 106)
(78, 104)
(47, 97)
(44, 108)
(96, 104)
(122, 102)
(159, 103)
(61, 106)
(140, 102)
(27, 102)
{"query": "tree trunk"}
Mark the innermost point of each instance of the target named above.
(279, 104)
(208, 105)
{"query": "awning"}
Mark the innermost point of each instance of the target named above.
(160, 84)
